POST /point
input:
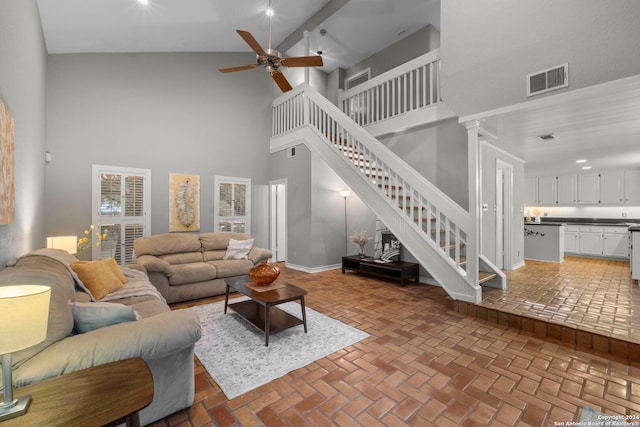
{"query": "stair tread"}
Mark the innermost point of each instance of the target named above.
(484, 276)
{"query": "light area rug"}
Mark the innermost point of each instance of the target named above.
(233, 351)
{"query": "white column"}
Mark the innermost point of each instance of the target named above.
(473, 239)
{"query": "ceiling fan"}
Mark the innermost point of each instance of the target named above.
(272, 60)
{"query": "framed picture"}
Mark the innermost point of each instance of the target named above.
(184, 202)
(386, 245)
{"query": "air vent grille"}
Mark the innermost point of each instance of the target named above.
(548, 80)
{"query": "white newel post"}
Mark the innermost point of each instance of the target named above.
(473, 239)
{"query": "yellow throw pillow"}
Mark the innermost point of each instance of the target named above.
(97, 277)
(113, 265)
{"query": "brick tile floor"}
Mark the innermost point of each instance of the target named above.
(588, 294)
(427, 365)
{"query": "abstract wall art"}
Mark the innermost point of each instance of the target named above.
(184, 202)
(7, 185)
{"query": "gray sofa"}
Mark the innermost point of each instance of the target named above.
(165, 339)
(186, 266)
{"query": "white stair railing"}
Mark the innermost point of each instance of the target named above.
(432, 227)
(409, 87)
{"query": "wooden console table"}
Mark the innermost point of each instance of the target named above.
(91, 397)
(394, 270)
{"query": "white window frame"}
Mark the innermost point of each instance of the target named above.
(99, 220)
(232, 180)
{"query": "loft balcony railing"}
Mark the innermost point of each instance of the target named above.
(407, 88)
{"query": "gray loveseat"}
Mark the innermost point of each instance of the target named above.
(186, 266)
(165, 339)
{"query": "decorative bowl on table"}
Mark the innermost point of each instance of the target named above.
(264, 273)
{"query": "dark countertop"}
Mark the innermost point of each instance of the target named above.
(557, 224)
(634, 228)
(622, 222)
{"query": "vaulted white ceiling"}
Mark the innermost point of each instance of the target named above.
(355, 29)
(602, 126)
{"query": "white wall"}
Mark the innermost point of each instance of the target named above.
(22, 88)
(168, 112)
(499, 42)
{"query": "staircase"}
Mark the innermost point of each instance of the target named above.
(441, 235)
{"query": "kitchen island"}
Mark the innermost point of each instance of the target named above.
(544, 241)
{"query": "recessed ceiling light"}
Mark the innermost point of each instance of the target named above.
(144, 2)
(547, 137)
(586, 167)
(581, 161)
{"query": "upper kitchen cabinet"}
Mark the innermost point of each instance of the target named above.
(612, 188)
(632, 187)
(589, 189)
(567, 189)
(547, 190)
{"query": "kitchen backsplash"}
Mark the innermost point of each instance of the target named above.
(583, 212)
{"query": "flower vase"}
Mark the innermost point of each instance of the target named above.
(264, 273)
(361, 254)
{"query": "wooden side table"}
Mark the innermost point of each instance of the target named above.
(95, 396)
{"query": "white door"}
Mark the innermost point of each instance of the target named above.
(500, 218)
(278, 220)
(504, 214)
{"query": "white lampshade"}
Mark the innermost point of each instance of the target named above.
(67, 243)
(24, 316)
(345, 193)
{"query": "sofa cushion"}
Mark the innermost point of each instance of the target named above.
(182, 274)
(214, 255)
(89, 316)
(232, 267)
(238, 249)
(97, 277)
(167, 243)
(182, 258)
(220, 240)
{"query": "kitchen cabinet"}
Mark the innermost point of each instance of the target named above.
(547, 190)
(615, 242)
(590, 243)
(632, 187)
(595, 240)
(571, 239)
(531, 191)
(612, 187)
(567, 190)
(588, 189)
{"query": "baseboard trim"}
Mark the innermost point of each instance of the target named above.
(313, 270)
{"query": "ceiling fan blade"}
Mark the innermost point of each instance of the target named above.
(251, 41)
(282, 82)
(240, 68)
(304, 61)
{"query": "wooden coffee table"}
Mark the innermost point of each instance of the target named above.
(260, 309)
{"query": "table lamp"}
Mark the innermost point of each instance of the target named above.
(68, 243)
(24, 314)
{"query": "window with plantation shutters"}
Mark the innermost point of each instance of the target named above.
(121, 199)
(233, 200)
